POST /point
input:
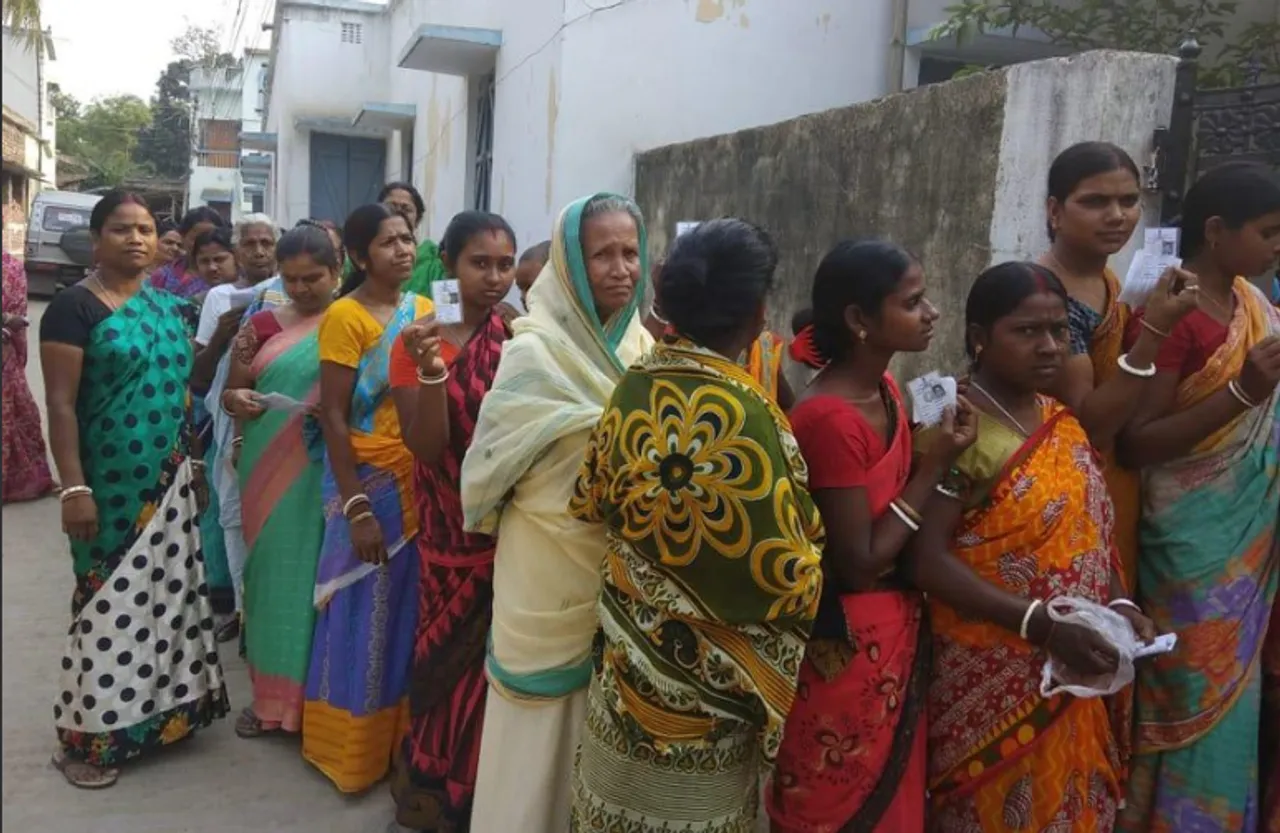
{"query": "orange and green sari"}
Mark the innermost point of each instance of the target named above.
(1003, 758)
(764, 362)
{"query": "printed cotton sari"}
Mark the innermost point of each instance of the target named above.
(436, 774)
(356, 709)
(764, 362)
(140, 668)
(1209, 573)
(854, 753)
(1038, 524)
(25, 467)
(711, 582)
(281, 466)
(557, 374)
(179, 278)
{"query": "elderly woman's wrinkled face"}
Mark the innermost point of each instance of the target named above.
(611, 250)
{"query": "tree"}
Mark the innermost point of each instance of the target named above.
(1142, 25)
(201, 46)
(24, 16)
(165, 145)
(103, 136)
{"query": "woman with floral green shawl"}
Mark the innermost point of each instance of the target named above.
(557, 373)
(711, 574)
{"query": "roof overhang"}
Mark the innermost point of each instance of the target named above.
(216, 195)
(381, 115)
(258, 141)
(452, 50)
(338, 125)
(997, 47)
(12, 167)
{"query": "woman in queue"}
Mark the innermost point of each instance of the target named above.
(1205, 438)
(556, 376)
(1022, 517)
(140, 668)
(26, 474)
(180, 276)
(280, 460)
(440, 375)
(712, 575)
(366, 584)
(854, 751)
(427, 264)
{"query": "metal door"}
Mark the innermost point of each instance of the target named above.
(346, 172)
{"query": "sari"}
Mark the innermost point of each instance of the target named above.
(557, 374)
(427, 269)
(854, 753)
(436, 773)
(140, 668)
(177, 277)
(1037, 523)
(711, 583)
(764, 362)
(25, 467)
(1209, 574)
(280, 469)
(355, 710)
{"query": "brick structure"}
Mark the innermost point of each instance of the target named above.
(15, 189)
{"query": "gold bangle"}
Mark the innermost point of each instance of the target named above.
(1152, 328)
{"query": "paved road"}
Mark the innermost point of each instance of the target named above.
(214, 783)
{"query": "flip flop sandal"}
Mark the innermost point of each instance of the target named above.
(228, 631)
(84, 776)
(249, 726)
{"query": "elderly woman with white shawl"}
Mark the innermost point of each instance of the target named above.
(556, 376)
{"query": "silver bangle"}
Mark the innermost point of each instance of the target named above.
(1141, 373)
(904, 517)
(433, 380)
(1240, 395)
(1026, 617)
(74, 491)
(355, 500)
(1114, 603)
(945, 492)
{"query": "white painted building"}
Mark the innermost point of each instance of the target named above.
(522, 105)
(30, 131)
(226, 103)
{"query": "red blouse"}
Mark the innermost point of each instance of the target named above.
(1190, 345)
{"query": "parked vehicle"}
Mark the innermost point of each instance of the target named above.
(59, 251)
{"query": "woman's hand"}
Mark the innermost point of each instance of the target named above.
(958, 431)
(422, 342)
(14, 323)
(1081, 649)
(1175, 294)
(242, 403)
(80, 518)
(1142, 626)
(1261, 372)
(366, 537)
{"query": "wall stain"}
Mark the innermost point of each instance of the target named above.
(824, 21)
(430, 164)
(744, 22)
(553, 116)
(709, 11)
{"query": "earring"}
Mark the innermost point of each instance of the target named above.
(862, 335)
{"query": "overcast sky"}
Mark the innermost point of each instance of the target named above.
(108, 48)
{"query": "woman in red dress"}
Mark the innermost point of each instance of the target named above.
(25, 466)
(440, 373)
(853, 756)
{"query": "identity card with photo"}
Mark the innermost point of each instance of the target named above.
(448, 301)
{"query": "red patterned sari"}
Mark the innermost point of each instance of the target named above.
(25, 465)
(853, 755)
(436, 773)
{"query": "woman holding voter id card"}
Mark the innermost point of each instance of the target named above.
(441, 370)
(1205, 436)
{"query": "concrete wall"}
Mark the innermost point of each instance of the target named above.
(21, 77)
(954, 172)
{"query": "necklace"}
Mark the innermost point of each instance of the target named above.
(973, 384)
(1224, 308)
(107, 296)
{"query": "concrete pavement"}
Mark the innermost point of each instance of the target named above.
(214, 783)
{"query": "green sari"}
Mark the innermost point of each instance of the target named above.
(427, 269)
(281, 466)
(140, 668)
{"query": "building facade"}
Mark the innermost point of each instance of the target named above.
(226, 103)
(29, 132)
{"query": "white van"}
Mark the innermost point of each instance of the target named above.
(59, 251)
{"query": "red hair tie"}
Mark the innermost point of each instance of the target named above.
(804, 351)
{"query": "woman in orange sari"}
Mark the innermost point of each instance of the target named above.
(853, 755)
(1023, 517)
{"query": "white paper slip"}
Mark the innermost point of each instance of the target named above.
(447, 300)
(685, 227)
(1162, 644)
(1144, 273)
(245, 296)
(280, 402)
(931, 394)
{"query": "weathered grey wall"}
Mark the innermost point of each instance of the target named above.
(917, 168)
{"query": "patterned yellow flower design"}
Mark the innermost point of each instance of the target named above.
(175, 729)
(687, 470)
(790, 566)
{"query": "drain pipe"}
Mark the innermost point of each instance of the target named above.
(898, 45)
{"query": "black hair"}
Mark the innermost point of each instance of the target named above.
(1236, 191)
(358, 234)
(1000, 290)
(1083, 160)
(214, 236)
(856, 273)
(110, 201)
(410, 190)
(196, 216)
(541, 251)
(716, 277)
(312, 240)
(467, 225)
(165, 226)
(803, 318)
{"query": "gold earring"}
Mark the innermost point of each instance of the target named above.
(862, 335)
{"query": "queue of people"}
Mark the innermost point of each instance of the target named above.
(595, 567)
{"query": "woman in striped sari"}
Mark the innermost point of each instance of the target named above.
(366, 584)
(1205, 437)
(440, 374)
(279, 457)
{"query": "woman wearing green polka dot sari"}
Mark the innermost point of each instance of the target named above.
(140, 668)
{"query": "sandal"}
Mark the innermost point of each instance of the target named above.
(228, 630)
(82, 775)
(249, 726)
